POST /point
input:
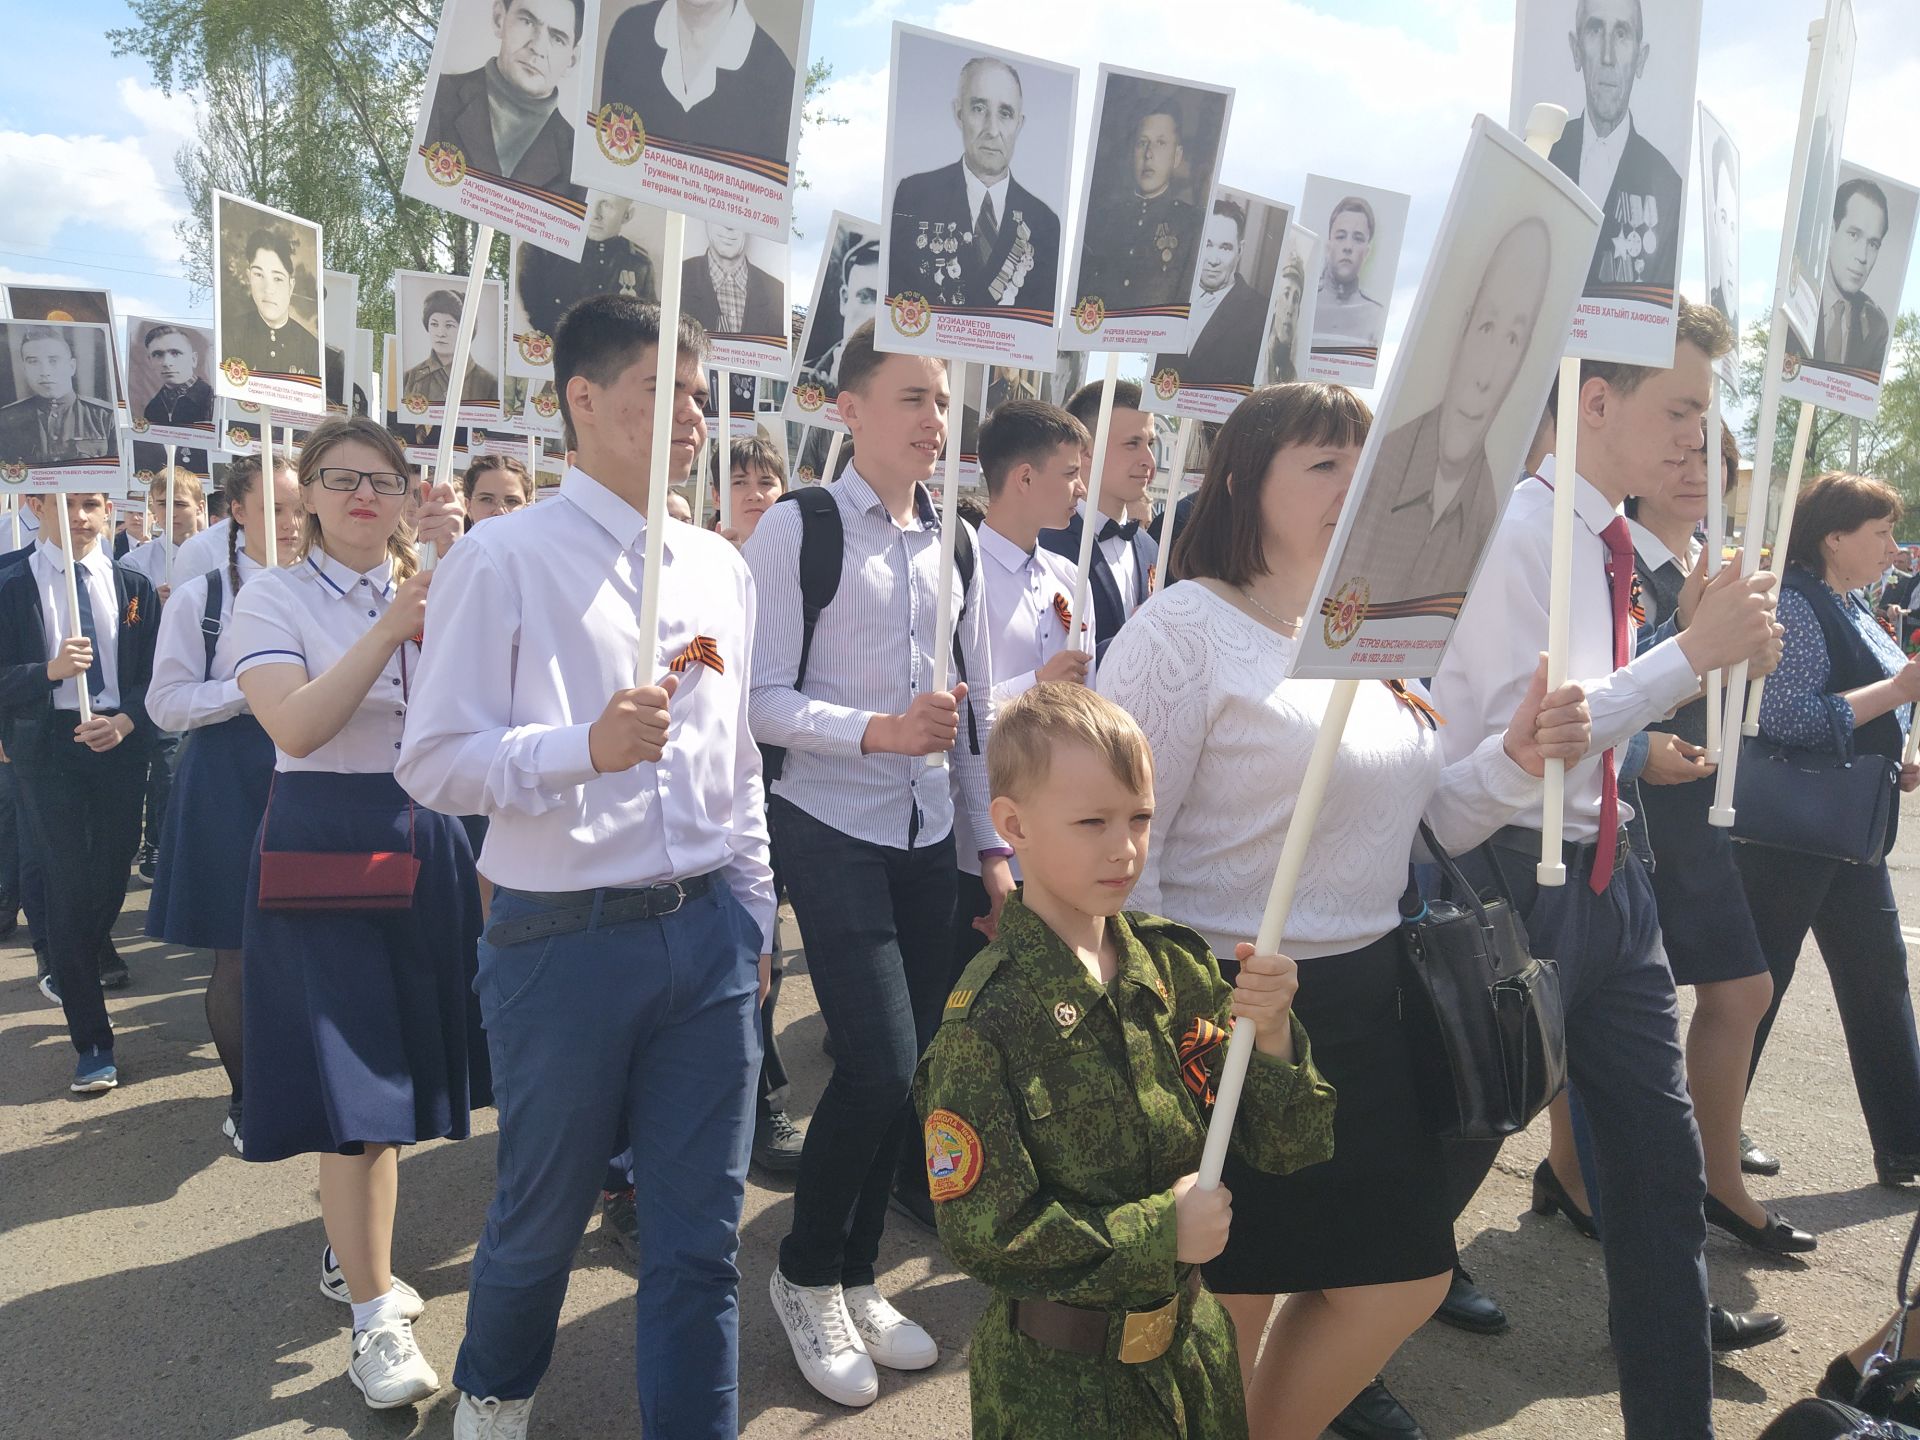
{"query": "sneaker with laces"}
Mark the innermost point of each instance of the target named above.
(826, 1347)
(94, 1072)
(333, 1285)
(491, 1419)
(777, 1141)
(890, 1337)
(48, 988)
(388, 1368)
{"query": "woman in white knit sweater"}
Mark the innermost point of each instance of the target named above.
(1363, 1244)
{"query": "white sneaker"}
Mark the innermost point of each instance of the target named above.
(890, 1337)
(333, 1284)
(388, 1368)
(491, 1419)
(825, 1345)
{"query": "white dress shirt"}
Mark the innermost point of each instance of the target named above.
(730, 53)
(310, 615)
(205, 551)
(1600, 159)
(532, 626)
(29, 529)
(1653, 551)
(978, 188)
(1118, 553)
(182, 695)
(1503, 628)
(872, 653)
(96, 573)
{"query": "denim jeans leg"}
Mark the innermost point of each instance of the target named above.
(1858, 930)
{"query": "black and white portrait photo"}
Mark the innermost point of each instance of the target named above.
(1362, 229)
(1720, 202)
(979, 151)
(1625, 71)
(846, 294)
(168, 362)
(617, 258)
(426, 315)
(1151, 166)
(494, 141)
(1290, 333)
(57, 406)
(735, 284)
(1817, 148)
(266, 306)
(695, 105)
(1460, 407)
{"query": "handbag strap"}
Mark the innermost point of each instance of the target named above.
(1457, 884)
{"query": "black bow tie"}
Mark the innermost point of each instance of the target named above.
(1116, 530)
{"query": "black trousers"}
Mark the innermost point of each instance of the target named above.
(82, 811)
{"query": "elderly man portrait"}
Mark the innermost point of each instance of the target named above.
(504, 118)
(726, 292)
(184, 396)
(1229, 315)
(53, 422)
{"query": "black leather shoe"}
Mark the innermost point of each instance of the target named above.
(1779, 1236)
(1897, 1169)
(1754, 1160)
(1742, 1329)
(777, 1141)
(1550, 1195)
(915, 1204)
(113, 970)
(1374, 1414)
(1468, 1307)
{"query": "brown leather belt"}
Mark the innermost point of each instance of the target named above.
(1132, 1337)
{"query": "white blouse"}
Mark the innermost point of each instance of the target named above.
(1231, 737)
(310, 615)
(182, 695)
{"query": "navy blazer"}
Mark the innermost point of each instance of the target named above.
(26, 694)
(1108, 613)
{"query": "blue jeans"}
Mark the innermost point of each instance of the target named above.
(877, 924)
(652, 1027)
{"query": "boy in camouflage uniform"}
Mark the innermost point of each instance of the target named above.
(1065, 1101)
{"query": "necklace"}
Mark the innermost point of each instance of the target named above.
(1287, 627)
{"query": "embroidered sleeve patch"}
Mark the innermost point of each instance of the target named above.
(954, 1156)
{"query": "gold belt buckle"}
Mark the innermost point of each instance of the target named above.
(1147, 1333)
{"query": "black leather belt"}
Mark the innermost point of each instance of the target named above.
(1132, 1337)
(570, 911)
(1574, 854)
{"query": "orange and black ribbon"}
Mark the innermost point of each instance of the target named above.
(132, 616)
(1636, 601)
(1887, 625)
(702, 650)
(1197, 1049)
(1415, 702)
(1063, 612)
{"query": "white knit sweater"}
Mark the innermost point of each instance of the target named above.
(1231, 737)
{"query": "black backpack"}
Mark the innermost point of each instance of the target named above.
(822, 548)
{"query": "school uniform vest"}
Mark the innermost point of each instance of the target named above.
(1852, 662)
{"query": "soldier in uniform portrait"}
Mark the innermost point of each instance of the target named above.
(726, 292)
(184, 396)
(264, 333)
(1601, 151)
(610, 264)
(1286, 321)
(1141, 242)
(54, 422)
(440, 317)
(859, 297)
(504, 118)
(1853, 329)
(1431, 502)
(1229, 315)
(1343, 310)
(970, 234)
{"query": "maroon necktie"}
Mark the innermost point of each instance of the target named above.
(1619, 541)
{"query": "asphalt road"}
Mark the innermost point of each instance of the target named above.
(154, 1286)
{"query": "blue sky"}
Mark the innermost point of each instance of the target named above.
(1379, 91)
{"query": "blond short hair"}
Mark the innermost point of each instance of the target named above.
(1056, 712)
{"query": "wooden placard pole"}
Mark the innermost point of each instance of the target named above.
(949, 526)
(1783, 537)
(166, 525)
(1182, 438)
(1716, 528)
(673, 249)
(457, 371)
(1273, 923)
(723, 456)
(1082, 636)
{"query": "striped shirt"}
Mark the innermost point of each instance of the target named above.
(872, 653)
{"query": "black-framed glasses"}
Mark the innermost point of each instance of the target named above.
(384, 482)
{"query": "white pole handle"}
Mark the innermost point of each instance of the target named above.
(833, 455)
(166, 525)
(457, 371)
(673, 252)
(701, 472)
(1716, 528)
(272, 538)
(1090, 521)
(13, 513)
(1286, 877)
(949, 527)
(1566, 474)
(1182, 438)
(1783, 537)
(723, 458)
(57, 504)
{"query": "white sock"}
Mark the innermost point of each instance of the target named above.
(366, 1316)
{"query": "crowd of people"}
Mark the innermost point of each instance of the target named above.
(459, 835)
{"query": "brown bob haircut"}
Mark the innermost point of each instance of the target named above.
(1221, 540)
(1838, 504)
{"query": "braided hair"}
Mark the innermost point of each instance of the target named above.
(242, 475)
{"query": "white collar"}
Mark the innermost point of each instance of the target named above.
(1010, 556)
(626, 525)
(729, 54)
(341, 578)
(976, 187)
(1596, 512)
(56, 556)
(1652, 549)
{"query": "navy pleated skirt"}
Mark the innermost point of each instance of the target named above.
(207, 839)
(1705, 925)
(362, 1026)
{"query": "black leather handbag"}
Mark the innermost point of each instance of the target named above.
(1836, 804)
(1483, 1015)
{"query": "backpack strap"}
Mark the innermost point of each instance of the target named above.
(822, 545)
(210, 616)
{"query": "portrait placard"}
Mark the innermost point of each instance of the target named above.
(1289, 347)
(1720, 204)
(846, 294)
(695, 106)
(532, 407)
(1362, 230)
(1460, 408)
(617, 257)
(1152, 161)
(979, 160)
(268, 321)
(1626, 72)
(168, 393)
(1867, 254)
(92, 307)
(426, 312)
(1816, 172)
(59, 424)
(735, 285)
(1243, 241)
(239, 428)
(340, 299)
(494, 139)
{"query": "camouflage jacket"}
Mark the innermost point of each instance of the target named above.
(1058, 1113)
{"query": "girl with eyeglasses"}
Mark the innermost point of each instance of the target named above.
(362, 1031)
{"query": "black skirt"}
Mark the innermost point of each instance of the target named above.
(1704, 920)
(206, 842)
(1377, 1213)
